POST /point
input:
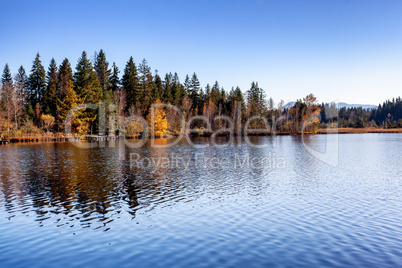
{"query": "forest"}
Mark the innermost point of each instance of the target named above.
(39, 102)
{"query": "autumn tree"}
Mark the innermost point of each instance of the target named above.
(157, 120)
(311, 116)
(66, 104)
(47, 121)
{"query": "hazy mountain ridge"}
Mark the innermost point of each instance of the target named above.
(340, 105)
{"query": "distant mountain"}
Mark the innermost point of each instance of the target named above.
(340, 105)
(289, 104)
(364, 106)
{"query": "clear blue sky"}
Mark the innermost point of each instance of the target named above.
(339, 50)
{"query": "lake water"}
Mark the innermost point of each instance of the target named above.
(236, 206)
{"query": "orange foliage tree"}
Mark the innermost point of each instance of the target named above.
(157, 120)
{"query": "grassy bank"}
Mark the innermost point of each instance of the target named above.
(358, 130)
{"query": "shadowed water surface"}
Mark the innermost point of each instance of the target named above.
(237, 206)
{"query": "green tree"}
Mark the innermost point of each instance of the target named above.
(114, 78)
(130, 83)
(86, 82)
(146, 84)
(36, 82)
(7, 95)
(21, 83)
(102, 70)
(158, 87)
(6, 76)
(49, 104)
(194, 92)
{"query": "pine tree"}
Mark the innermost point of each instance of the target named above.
(178, 90)
(7, 95)
(6, 76)
(146, 84)
(114, 78)
(21, 82)
(50, 99)
(187, 84)
(130, 83)
(194, 92)
(102, 70)
(167, 84)
(37, 82)
(158, 87)
(65, 77)
(86, 82)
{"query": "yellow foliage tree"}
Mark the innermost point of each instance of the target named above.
(65, 104)
(47, 121)
(157, 119)
(311, 117)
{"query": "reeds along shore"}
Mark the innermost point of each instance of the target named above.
(88, 138)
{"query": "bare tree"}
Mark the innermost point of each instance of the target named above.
(120, 97)
(19, 98)
(7, 96)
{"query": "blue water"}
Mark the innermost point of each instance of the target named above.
(63, 206)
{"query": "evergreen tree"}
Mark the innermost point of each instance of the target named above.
(6, 76)
(158, 87)
(178, 90)
(130, 83)
(187, 84)
(65, 73)
(256, 100)
(21, 83)
(102, 70)
(86, 82)
(49, 105)
(194, 92)
(146, 84)
(7, 95)
(36, 82)
(114, 78)
(167, 89)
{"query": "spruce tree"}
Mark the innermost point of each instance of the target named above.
(158, 87)
(146, 84)
(49, 105)
(167, 94)
(36, 82)
(86, 83)
(102, 70)
(130, 83)
(21, 83)
(114, 78)
(194, 91)
(6, 76)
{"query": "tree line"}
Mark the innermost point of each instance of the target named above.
(386, 115)
(40, 101)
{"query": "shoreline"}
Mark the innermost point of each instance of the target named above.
(322, 131)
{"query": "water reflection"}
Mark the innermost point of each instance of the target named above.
(229, 205)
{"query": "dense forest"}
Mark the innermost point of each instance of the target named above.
(40, 101)
(386, 115)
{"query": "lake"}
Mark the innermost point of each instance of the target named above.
(271, 203)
